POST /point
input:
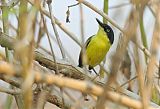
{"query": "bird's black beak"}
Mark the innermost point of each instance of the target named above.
(100, 23)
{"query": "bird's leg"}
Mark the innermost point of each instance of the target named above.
(90, 71)
(95, 72)
(91, 68)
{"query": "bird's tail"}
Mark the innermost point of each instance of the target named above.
(80, 63)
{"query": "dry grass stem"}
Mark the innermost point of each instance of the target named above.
(86, 87)
(55, 30)
(151, 69)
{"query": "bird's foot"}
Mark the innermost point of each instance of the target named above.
(90, 71)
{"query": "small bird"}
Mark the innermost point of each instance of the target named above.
(97, 46)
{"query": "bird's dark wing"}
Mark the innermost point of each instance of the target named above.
(85, 47)
(88, 41)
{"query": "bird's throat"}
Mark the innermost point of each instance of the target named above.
(101, 34)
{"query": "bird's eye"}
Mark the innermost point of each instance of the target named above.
(108, 30)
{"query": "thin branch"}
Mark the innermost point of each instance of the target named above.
(87, 87)
(101, 13)
(5, 16)
(151, 10)
(60, 24)
(53, 54)
(127, 82)
(54, 99)
(72, 71)
(151, 68)
(81, 23)
(10, 91)
(55, 29)
(10, 4)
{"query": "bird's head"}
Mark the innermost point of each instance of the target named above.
(108, 30)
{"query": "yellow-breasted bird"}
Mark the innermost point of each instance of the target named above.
(97, 46)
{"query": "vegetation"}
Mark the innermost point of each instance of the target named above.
(36, 77)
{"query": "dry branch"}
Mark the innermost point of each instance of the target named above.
(151, 69)
(63, 67)
(86, 87)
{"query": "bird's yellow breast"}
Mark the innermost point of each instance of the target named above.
(97, 49)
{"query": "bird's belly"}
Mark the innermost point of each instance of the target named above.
(96, 54)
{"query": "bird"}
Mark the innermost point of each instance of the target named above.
(96, 47)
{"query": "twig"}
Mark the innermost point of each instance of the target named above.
(101, 13)
(11, 80)
(68, 12)
(45, 50)
(65, 69)
(24, 50)
(143, 34)
(55, 29)
(5, 15)
(73, 5)
(140, 73)
(151, 10)
(86, 87)
(53, 54)
(71, 71)
(10, 4)
(126, 82)
(81, 23)
(69, 57)
(54, 99)
(61, 25)
(10, 91)
(151, 68)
